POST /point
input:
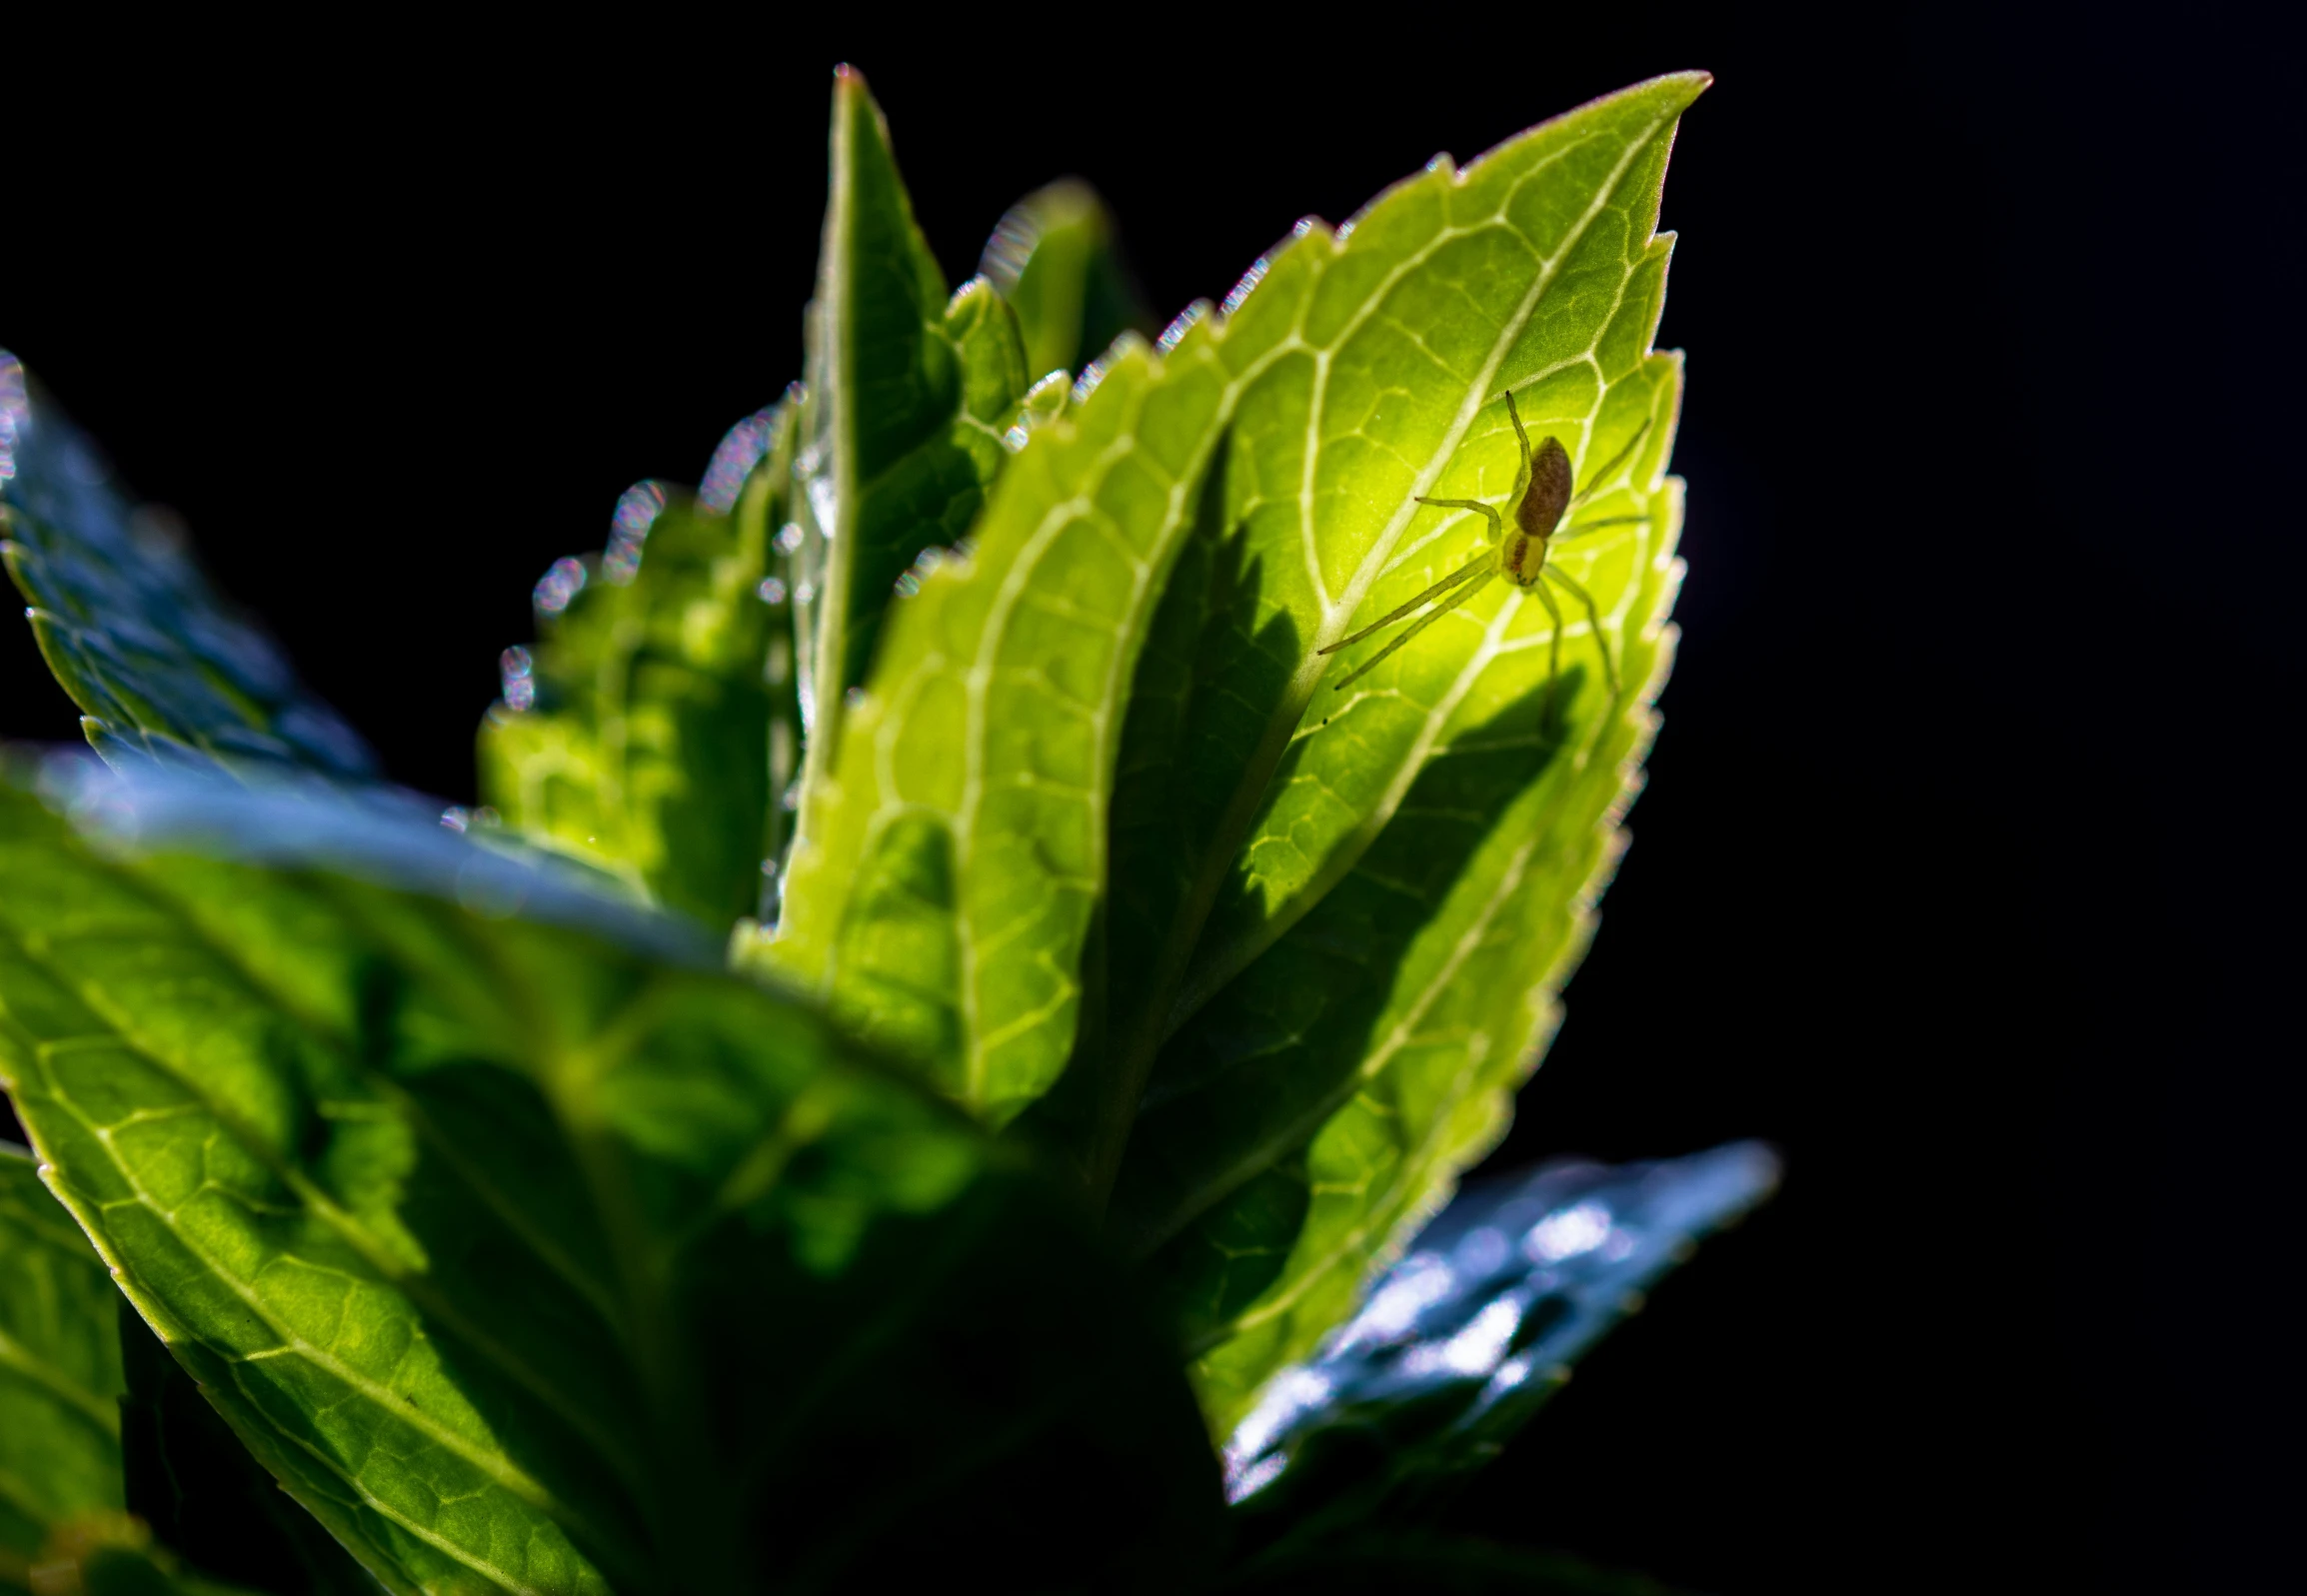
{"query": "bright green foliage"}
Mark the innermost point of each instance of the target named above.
(1095, 816)
(59, 1374)
(156, 662)
(528, 1260)
(909, 396)
(1054, 259)
(533, 1251)
(640, 736)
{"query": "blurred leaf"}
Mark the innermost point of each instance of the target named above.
(909, 396)
(532, 1253)
(642, 734)
(1461, 1341)
(1054, 257)
(156, 660)
(59, 1373)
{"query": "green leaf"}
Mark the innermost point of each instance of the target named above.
(59, 1373)
(1054, 257)
(1095, 780)
(534, 1254)
(651, 731)
(909, 396)
(157, 664)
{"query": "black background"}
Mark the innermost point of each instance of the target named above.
(1960, 875)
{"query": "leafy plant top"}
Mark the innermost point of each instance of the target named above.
(966, 968)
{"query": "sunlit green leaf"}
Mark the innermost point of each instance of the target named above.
(909, 392)
(643, 732)
(531, 1254)
(997, 879)
(1054, 257)
(156, 660)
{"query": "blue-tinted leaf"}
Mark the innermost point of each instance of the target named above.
(156, 660)
(1460, 1342)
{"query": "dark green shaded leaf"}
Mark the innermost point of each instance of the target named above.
(59, 1373)
(649, 732)
(156, 660)
(1055, 259)
(910, 393)
(532, 1259)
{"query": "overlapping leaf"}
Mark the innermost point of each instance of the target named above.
(531, 1256)
(157, 663)
(650, 732)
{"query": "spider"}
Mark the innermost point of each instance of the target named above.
(1542, 497)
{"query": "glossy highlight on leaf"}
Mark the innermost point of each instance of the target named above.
(1458, 1343)
(157, 663)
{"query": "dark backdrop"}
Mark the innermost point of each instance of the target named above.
(1959, 875)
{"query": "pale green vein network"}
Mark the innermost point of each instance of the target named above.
(1126, 468)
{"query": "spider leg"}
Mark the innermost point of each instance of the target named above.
(1593, 616)
(1498, 524)
(1463, 573)
(1522, 437)
(1582, 527)
(1553, 648)
(1417, 626)
(1610, 469)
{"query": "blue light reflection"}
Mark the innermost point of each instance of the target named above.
(1460, 1342)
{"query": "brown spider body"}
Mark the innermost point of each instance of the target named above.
(1522, 556)
(1545, 489)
